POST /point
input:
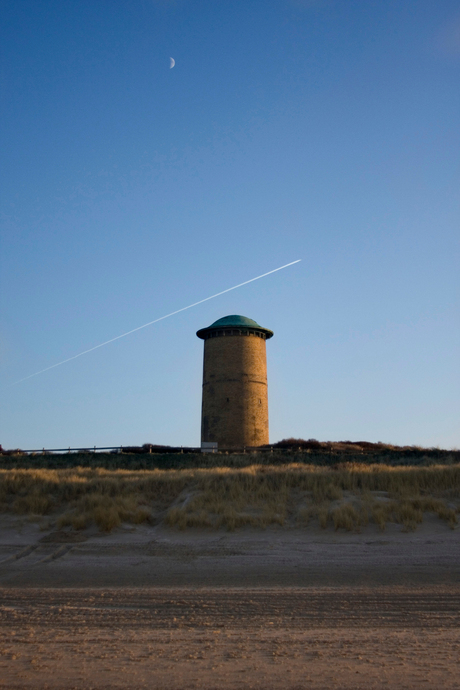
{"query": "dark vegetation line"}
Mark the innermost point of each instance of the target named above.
(311, 452)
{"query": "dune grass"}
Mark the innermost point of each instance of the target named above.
(346, 496)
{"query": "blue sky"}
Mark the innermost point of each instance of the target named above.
(327, 131)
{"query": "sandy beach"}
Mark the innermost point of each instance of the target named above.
(147, 607)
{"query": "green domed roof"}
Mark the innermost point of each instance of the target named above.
(236, 321)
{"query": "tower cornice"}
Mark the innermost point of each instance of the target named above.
(234, 325)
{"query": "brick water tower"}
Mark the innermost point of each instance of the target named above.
(235, 400)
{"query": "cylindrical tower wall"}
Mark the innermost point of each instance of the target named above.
(235, 397)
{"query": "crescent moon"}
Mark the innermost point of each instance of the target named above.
(172, 62)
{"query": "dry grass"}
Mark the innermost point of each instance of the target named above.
(346, 496)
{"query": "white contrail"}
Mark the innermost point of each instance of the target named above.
(206, 299)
